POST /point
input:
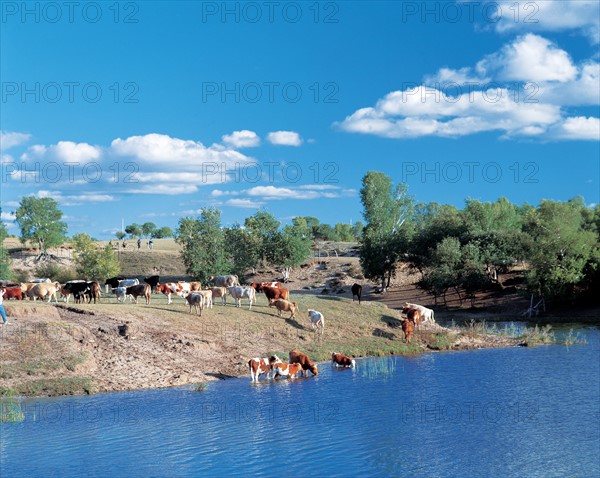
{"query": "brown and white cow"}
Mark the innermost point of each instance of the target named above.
(196, 301)
(339, 360)
(143, 290)
(290, 370)
(238, 293)
(219, 292)
(259, 366)
(207, 298)
(427, 314)
(284, 306)
(170, 288)
(195, 286)
(259, 286)
(302, 359)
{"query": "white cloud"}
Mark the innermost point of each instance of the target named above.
(529, 58)
(460, 76)
(274, 193)
(66, 151)
(566, 15)
(10, 139)
(163, 151)
(166, 189)
(242, 139)
(244, 203)
(77, 199)
(7, 216)
(284, 138)
(517, 109)
(578, 127)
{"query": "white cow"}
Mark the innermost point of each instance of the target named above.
(427, 314)
(317, 321)
(121, 293)
(238, 293)
(128, 282)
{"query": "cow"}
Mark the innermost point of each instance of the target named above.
(219, 292)
(284, 305)
(26, 287)
(152, 281)
(121, 293)
(168, 289)
(356, 291)
(259, 366)
(276, 293)
(94, 291)
(339, 360)
(258, 286)
(139, 290)
(290, 370)
(79, 290)
(414, 315)
(225, 281)
(184, 288)
(195, 286)
(238, 293)
(317, 321)
(427, 314)
(113, 282)
(407, 328)
(303, 360)
(41, 290)
(13, 293)
(65, 289)
(128, 282)
(206, 297)
(196, 301)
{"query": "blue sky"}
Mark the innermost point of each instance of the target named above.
(149, 111)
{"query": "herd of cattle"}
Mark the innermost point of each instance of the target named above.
(197, 298)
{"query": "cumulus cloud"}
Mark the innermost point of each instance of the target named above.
(66, 151)
(257, 195)
(520, 108)
(7, 216)
(244, 203)
(578, 127)
(284, 138)
(582, 16)
(10, 139)
(76, 199)
(242, 139)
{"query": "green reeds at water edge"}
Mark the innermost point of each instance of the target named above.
(10, 408)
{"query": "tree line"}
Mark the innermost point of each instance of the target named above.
(469, 249)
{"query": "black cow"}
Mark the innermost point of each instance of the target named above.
(80, 290)
(139, 290)
(356, 291)
(152, 281)
(113, 282)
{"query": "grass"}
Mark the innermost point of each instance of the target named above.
(51, 386)
(10, 408)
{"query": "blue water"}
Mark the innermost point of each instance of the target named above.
(514, 412)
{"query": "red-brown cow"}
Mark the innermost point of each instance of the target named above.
(302, 359)
(342, 360)
(414, 315)
(274, 293)
(407, 328)
(259, 286)
(13, 293)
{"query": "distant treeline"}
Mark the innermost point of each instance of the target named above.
(468, 249)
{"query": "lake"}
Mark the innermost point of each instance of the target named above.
(513, 412)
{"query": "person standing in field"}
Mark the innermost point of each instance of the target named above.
(2, 311)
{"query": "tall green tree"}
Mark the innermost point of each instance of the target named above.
(386, 210)
(4, 260)
(40, 221)
(163, 233)
(148, 228)
(134, 230)
(202, 243)
(92, 262)
(242, 248)
(265, 227)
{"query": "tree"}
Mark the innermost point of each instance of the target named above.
(134, 230)
(203, 245)
(4, 261)
(293, 246)
(40, 221)
(386, 209)
(357, 230)
(92, 262)
(120, 235)
(243, 249)
(264, 227)
(148, 228)
(163, 233)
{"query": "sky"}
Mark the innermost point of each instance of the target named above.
(150, 111)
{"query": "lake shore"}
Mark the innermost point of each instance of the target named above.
(60, 349)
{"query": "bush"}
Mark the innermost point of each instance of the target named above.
(55, 272)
